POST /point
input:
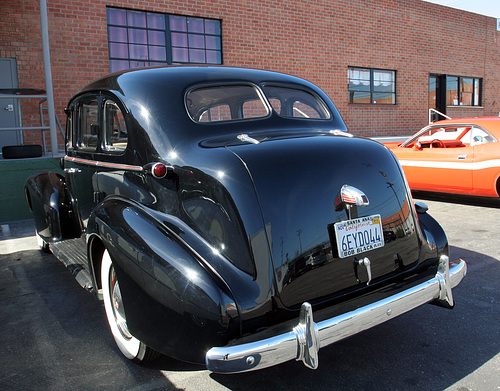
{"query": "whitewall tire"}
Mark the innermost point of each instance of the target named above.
(130, 346)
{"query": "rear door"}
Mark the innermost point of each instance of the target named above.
(80, 161)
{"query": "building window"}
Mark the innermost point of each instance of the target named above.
(372, 86)
(141, 39)
(463, 91)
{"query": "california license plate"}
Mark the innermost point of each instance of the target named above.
(359, 235)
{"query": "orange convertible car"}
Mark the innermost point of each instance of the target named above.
(459, 156)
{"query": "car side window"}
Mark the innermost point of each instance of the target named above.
(87, 138)
(479, 136)
(115, 129)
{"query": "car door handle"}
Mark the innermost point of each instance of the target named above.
(72, 170)
(462, 157)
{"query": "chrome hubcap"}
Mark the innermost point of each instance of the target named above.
(117, 304)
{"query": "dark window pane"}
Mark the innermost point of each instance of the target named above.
(179, 39)
(196, 25)
(196, 41)
(136, 19)
(383, 81)
(452, 90)
(156, 21)
(157, 63)
(118, 50)
(212, 27)
(180, 55)
(382, 98)
(178, 23)
(144, 39)
(157, 53)
(212, 42)
(359, 87)
(359, 77)
(137, 36)
(197, 56)
(139, 64)
(359, 97)
(466, 91)
(117, 16)
(213, 57)
(118, 34)
(156, 37)
(138, 52)
(477, 100)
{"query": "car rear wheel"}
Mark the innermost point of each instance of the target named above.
(131, 347)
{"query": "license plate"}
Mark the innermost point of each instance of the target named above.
(359, 235)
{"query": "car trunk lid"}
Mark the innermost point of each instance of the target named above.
(298, 183)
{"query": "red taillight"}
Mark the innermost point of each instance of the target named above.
(159, 170)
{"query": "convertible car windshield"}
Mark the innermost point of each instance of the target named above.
(239, 102)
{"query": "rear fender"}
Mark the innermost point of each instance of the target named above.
(433, 232)
(172, 301)
(50, 202)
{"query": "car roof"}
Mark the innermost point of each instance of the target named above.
(137, 80)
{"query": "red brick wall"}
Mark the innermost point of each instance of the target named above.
(312, 39)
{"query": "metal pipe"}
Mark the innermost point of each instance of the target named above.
(48, 77)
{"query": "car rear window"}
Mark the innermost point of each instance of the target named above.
(225, 103)
(241, 102)
(296, 103)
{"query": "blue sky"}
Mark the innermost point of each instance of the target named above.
(483, 7)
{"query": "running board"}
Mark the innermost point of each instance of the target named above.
(71, 253)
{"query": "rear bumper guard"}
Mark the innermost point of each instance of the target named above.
(305, 339)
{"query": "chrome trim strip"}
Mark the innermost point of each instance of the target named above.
(97, 163)
(304, 341)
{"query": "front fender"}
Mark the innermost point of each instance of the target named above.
(173, 302)
(48, 199)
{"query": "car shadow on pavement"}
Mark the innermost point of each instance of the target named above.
(54, 335)
(429, 348)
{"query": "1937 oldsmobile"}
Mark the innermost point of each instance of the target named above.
(227, 217)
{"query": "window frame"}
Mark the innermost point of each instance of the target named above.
(75, 144)
(78, 131)
(118, 45)
(105, 146)
(476, 96)
(372, 86)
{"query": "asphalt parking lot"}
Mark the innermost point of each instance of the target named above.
(54, 336)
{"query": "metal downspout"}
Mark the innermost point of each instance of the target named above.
(48, 77)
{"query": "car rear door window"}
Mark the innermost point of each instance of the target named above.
(88, 126)
(115, 129)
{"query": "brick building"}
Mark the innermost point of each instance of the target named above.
(379, 60)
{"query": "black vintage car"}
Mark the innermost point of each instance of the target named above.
(227, 217)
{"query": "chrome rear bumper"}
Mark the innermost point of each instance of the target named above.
(303, 342)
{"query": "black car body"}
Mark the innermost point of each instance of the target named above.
(229, 203)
